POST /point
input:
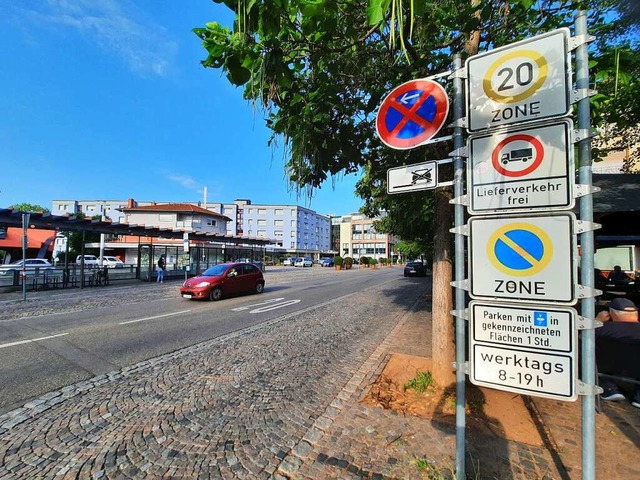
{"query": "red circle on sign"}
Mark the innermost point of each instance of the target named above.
(424, 103)
(537, 160)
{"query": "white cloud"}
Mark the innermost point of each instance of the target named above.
(214, 189)
(116, 26)
(186, 182)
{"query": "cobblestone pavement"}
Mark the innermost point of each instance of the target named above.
(281, 400)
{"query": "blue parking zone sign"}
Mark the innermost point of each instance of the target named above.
(540, 319)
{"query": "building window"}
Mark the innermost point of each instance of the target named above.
(262, 211)
(250, 221)
(279, 233)
(262, 223)
(262, 233)
(278, 223)
(211, 222)
(293, 234)
(165, 217)
(293, 223)
(278, 211)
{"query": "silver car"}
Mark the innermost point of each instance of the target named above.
(304, 262)
(32, 265)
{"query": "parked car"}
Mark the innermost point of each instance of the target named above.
(304, 262)
(224, 280)
(90, 261)
(112, 262)
(290, 262)
(32, 265)
(326, 262)
(415, 269)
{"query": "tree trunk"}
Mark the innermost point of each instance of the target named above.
(443, 334)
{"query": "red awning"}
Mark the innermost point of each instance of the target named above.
(35, 238)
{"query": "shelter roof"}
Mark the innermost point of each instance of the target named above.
(42, 220)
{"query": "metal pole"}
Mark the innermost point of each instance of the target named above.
(25, 239)
(586, 262)
(82, 262)
(458, 164)
(102, 235)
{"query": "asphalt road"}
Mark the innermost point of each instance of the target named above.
(121, 326)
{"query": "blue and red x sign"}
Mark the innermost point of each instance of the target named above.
(412, 114)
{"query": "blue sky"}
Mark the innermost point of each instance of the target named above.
(106, 100)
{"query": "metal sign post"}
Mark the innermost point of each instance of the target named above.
(521, 161)
(458, 190)
(25, 239)
(588, 249)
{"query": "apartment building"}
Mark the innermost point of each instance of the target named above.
(296, 229)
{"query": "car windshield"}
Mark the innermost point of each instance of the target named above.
(216, 270)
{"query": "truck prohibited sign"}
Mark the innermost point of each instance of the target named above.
(528, 258)
(528, 168)
(524, 81)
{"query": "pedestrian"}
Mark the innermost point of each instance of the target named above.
(161, 267)
(618, 276)
(618, 349)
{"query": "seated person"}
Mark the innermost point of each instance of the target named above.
(618, 276)
(618, 348)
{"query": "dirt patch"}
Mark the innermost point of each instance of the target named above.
(491, 412)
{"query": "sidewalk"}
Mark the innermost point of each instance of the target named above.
(257, 405)
(361, 441)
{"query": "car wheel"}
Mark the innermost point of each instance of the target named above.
(259, 287)
(216, 294)
(406, 274)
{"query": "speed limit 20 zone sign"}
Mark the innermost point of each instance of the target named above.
(527, 80)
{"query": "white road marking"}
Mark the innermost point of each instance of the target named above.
(239, 309)
(273, 307)
(21, 342)
(154, 317)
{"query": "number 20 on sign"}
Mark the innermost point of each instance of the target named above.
(524, 81)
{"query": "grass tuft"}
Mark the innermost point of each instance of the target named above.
(420, 383)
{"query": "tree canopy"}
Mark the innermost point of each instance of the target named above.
(318, 69)
(30, 208)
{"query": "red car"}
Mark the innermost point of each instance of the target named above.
(224, 280)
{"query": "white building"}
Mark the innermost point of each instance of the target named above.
(177, 216)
